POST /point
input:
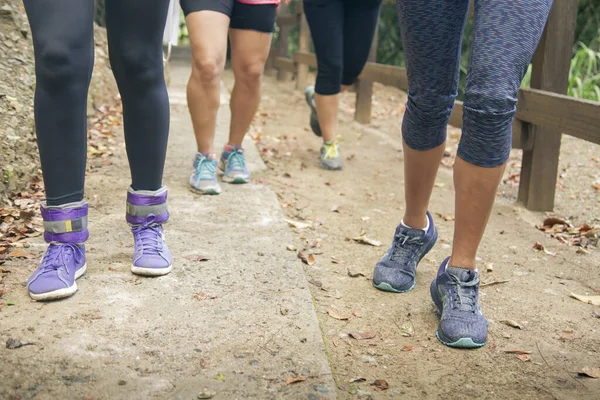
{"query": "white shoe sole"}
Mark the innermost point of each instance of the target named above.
(151, 271)
(60, 293)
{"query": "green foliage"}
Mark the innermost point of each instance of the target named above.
(584, 76)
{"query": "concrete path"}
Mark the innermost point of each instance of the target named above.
(237, 325)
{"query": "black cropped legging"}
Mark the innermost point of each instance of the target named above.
(63, 42)
(342, 32)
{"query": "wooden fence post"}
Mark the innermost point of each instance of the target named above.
(304, 46)
(282, 50)
(364, 88)
(550, 72)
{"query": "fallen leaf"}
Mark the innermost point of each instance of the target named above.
(581, 250)
(595, 300)
(493, 283)
(335, 209)
(354, 274)
(512, 324)
(362, 335)
(356, 314)
(203, 296)
(569, 335)
(220, 377)
(365, 219)
(12, 344)
(407, 330)
(358, 379)
(596, 185)
(196, 257)
(445, 217)
(291, 247)
(550, 222)
(380, 385)
(524, 357)
(297, 224)
(517, 351)
(206, 395)
(335, 342)
(540, 247)
(589, 372)
(407, 348)
(596, 314)
(489, 267)
(21, 253)
(315, 282)
(336, 261)
(365, 240)
(295, 379)
(112, 269)
(336, 314)
(306, 259)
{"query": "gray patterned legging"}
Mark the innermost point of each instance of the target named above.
(506, 34)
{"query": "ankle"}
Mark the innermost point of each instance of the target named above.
(459, 261)
(416, 221)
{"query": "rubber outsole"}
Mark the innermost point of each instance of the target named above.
(151, 271)
(386, 287)
(462, 343)
(60, 293)
(210, 192)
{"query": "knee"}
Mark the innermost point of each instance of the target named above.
(329, 77)
(60, 66)
(136, 66)
(250, 74)
(487, 128)
(207, 69)
(425, 119)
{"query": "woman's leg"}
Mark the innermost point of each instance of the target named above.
(63, 63)
(135, 32)
(432, 63)
(250, 37)
(505, 37)
(208, 24)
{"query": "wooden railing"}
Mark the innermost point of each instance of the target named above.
(544, 112)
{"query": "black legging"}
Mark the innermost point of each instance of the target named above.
(63, 42)
(342, 32)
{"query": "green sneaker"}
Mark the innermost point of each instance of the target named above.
(204, 177)
(233, 165)
(330, 156)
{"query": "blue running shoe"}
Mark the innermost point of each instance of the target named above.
(455, 293)
(233, 165)
(396, 270)
(204, 178)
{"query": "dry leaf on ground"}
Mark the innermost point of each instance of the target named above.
(357, 379)
(204, 296)
(595, 300)
(407, 348)
(569, 335)
(295, 379)
(306, 258)
(365, 240)
(524, 357)
(380, 385)
(493, 283)
(297, 224)
(353, 273)
(362, 335)
(336, 314)
(291, 247)
(540, 247)
(407, 330)
(512, 324)
(356, 314)
(517, 351)
(589, 372)
(21, 253)
(196, 257)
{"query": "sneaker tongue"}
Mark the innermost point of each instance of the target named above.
(463, 274)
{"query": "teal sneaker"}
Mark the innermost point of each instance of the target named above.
(232, 165)
(204, 177)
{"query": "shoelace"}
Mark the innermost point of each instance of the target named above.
(57, 256)
(205, 169)
(401, 250)
(331, 149)
(465, 294)
(236, 161)
(149, 236)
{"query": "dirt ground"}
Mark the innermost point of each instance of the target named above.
(560, 334)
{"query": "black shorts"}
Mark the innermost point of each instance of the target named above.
(259, 17)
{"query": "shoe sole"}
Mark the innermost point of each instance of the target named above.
(237, 180)
(151, 271)
(462, 343)
(386, 287)
(314, 119)
(327, 168)
(60, 293)
(210, 192)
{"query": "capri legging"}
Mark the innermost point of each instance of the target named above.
(342, 32)
(63, 42)
(505, 36)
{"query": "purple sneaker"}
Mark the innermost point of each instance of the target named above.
(64, 261)
(146, 212)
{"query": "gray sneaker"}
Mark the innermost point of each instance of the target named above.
(233, 165)
(330, 156)
(204, 178)
(396, 270)
(455, 293)
(309, 95)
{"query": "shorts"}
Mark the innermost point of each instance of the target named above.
(253, 17)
